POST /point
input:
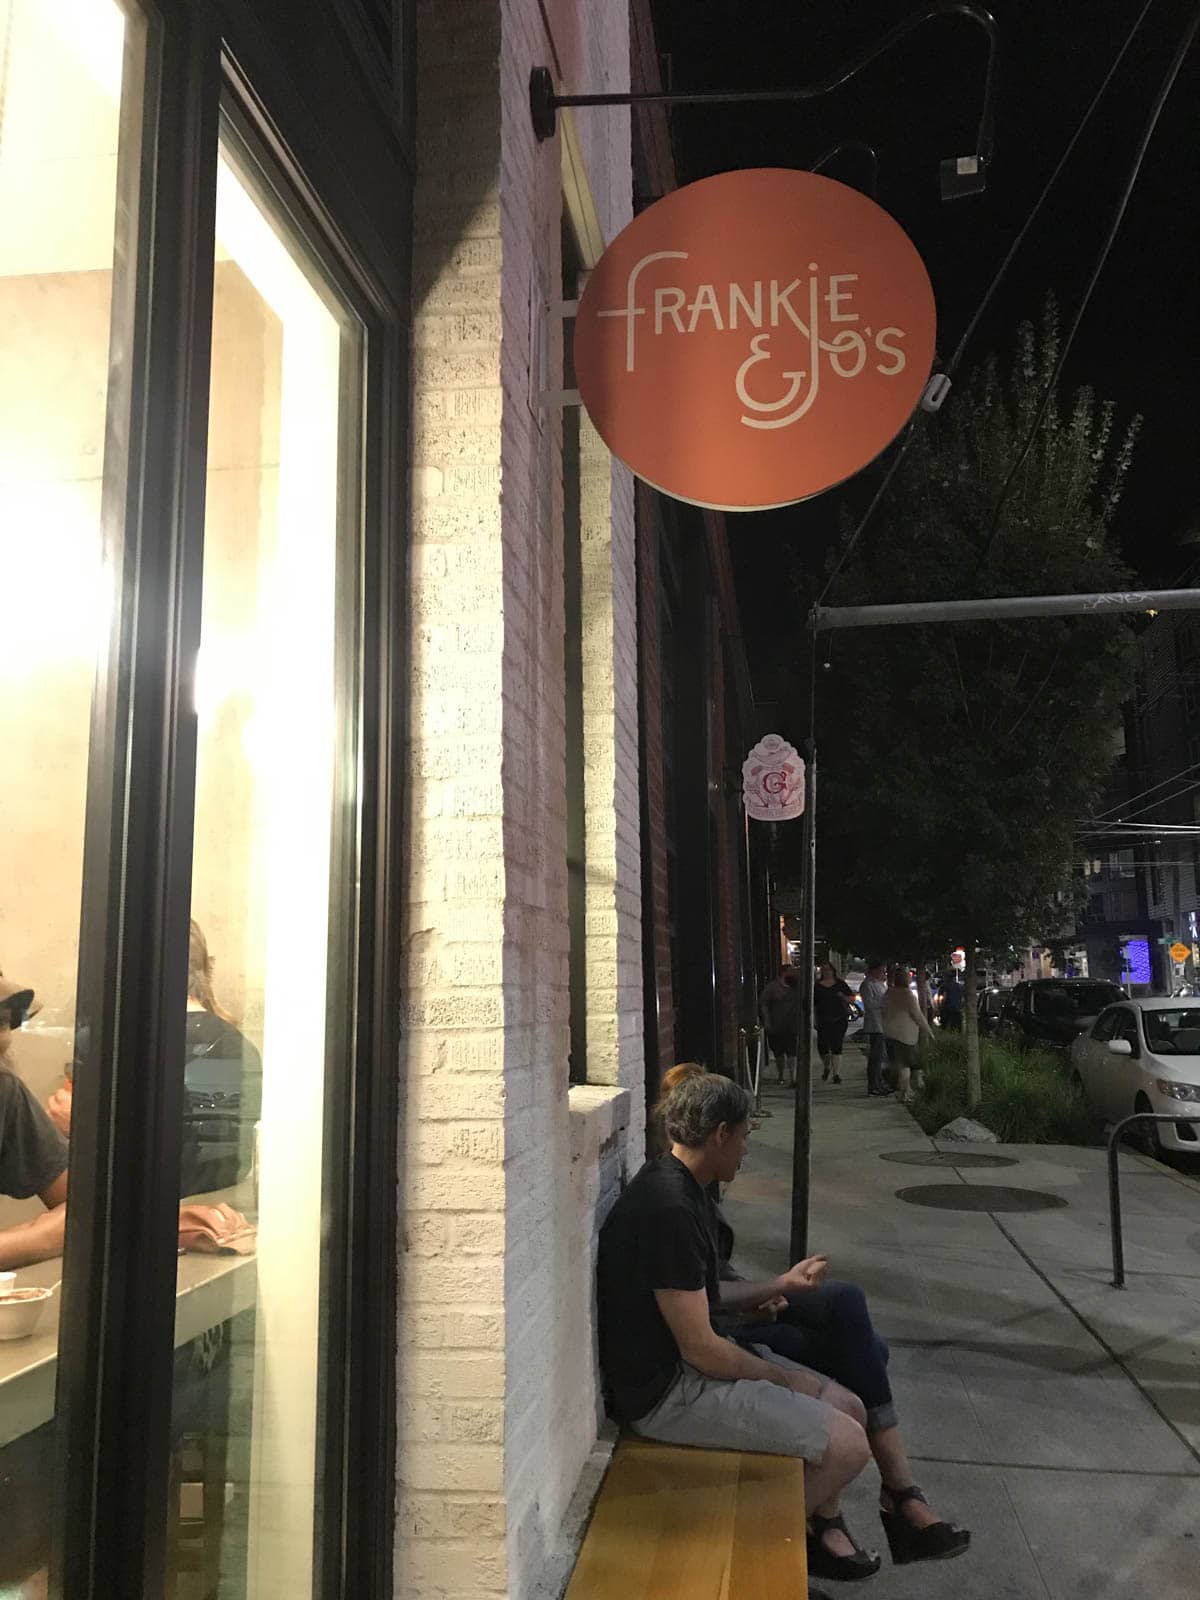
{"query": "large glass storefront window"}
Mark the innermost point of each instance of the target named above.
(63, 390)
(186, 581)
(266, 1023)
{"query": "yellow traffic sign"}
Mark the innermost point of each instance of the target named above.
(1180, 951)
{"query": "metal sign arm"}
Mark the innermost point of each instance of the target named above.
(544, 103)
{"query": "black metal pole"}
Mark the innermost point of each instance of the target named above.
(802, 1113)
(750, 964)
(1114, 1185)
(1114, 1207)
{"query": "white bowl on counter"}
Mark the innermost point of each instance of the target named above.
(21, 1311)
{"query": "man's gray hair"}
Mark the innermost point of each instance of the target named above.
(698, 1106)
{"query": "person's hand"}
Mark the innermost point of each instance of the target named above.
(776, 1304)
(58, 1109)
(802, 1382)
(806, 1274)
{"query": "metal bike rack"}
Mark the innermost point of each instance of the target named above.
(752, 1054)
(1114, 1184)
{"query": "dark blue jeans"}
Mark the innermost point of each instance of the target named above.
(876, 1057)
(830, 1330)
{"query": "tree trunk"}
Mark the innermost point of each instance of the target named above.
(971, 1019)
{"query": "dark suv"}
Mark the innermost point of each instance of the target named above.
(1055, 1010)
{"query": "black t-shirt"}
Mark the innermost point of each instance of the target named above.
(661, 1234)
(32, 1151)
(223, 1100)
(829, 1003)
(952, 995)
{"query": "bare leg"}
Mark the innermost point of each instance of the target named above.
(837, 1067)
(826, 1057)
(904, 1082)
(895, 1472)
(846, 1456)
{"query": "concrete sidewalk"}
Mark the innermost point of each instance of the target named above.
(1055, 1416)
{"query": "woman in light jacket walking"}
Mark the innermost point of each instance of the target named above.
(903, 1024)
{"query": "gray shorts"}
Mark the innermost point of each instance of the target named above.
(741, 1414)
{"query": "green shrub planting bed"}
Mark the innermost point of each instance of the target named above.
(1027, 1094)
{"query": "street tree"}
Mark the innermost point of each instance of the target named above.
(957, 760)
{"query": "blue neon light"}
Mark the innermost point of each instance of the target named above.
(1135, 961)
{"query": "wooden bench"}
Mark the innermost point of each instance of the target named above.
(678, 1524)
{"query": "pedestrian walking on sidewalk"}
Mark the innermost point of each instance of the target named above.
(903, 1023)
(780, 1012)
(872, 993)
(832, 1002)
(953, 998)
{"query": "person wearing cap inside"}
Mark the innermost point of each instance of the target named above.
(33, 1153)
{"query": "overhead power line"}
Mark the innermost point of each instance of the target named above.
(989, 293)
(1163, 800)
(1108, 811)
(1069, 150)
(1156, 111)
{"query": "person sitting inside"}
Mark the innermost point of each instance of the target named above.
(671, 1375)
(223, 1083)
(33, 1154)
(829, 1328)
(222, 1086)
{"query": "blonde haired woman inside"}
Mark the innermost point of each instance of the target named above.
(222, 1086)
(903, 1024)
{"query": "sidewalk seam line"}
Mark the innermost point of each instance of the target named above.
(1037, 1566)
(1088, 1329)
(1098, 1337)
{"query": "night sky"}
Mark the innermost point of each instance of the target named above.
(1140, 342)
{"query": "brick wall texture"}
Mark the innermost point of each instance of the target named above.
(505, 1176)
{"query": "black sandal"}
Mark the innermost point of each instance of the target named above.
(822, 1563)
(940, 1541)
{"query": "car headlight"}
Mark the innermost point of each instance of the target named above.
(1178, 1091)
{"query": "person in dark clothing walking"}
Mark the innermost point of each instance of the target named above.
(780, 1012)
(951, 1009)
(832, 999)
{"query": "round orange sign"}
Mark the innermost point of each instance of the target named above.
(755, 338)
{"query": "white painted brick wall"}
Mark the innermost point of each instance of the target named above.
(505, 1176)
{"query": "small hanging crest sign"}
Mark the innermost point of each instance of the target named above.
(773, 781)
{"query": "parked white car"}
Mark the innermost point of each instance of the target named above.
(1144, 1055)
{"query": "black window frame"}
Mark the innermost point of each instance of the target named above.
(271, 75)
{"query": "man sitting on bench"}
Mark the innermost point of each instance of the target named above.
(671, 1376)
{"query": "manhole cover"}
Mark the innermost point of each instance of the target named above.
(979, 1197)
(947, 1158)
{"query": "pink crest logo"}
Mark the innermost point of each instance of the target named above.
(773, 781)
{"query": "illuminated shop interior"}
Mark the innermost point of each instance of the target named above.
(263, 679)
